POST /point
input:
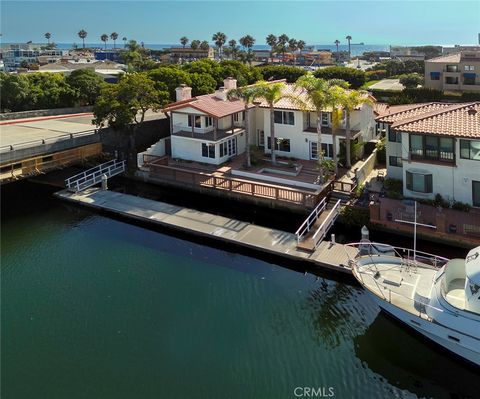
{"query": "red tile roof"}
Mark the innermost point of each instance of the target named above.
(458, 120)
(400, 112)
(210, 105)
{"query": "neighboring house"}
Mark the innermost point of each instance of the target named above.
(413, 53)
(210, 128)
(108, 70)
(457, 48)
(14, 54)
(458, 72)
(434, 148)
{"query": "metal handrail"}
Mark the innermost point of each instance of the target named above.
(327, 223)
(94, 175)
(309, 221)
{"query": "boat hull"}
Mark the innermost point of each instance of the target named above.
(432, 331)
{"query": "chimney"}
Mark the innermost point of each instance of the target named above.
(230, 83)
(183, 92)
(221, 94)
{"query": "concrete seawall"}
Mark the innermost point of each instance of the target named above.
(327, 256)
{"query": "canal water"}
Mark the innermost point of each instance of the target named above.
(94, 307)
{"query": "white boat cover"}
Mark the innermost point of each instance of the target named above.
(472, 266)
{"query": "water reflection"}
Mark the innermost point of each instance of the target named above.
(409, 362)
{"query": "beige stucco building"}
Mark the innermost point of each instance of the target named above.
(455, 72)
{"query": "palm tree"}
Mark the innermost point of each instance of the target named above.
(232, 44)
(337, 42)
(301, 45)
(48, 35)
(204, 45)
(195, 44)
(271, 93)
(349, 52)
(114, 37)
(219, 38)
(82, 34)
(318, 96)
(184, 41)
(247, 94)
(352, 100)
(104, 38)
(292, 47)
(124, 41)
(247, 42)
(282, 45)
(272, 42)
(336, 99)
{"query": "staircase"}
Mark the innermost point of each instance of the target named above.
(94, 175)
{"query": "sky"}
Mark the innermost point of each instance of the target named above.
(316, 22)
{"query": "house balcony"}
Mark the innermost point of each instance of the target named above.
(210, 135)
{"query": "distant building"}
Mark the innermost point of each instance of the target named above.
(458, 72)
(418, 53)
(108, 55)
(434, 148)
(108, 70)
(261, 55)
(457, 48)
(178, 54)
(13, 55)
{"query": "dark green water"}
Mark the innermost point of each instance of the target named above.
(93, 307)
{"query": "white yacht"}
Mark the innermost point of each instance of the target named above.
(437, 297)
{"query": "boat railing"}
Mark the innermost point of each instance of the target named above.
(410, 257)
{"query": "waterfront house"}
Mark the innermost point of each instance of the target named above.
(456, 72)
(210, 128)
(434, 148)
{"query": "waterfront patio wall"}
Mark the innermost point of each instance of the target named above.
(364, 171)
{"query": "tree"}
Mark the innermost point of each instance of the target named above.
(247, 94)
(16, 92)
(292, 47)
(351, 100)
(202, 83)
(82, 34)
(50, 90)
(271, 40)
(247, 42)
(123, 106)
(204, 45)
(276, 72)
(349, 38)
(233, 48)
(410, 80)
(183, 41)
(337, 42)
(48, 35)
(336, 100)
(195, 44)
(271, 93)
(301, 45)
(87, 84)
(169, 77)
(104, 38)
(219, 38)
(282, 45)
(114, 37)
(318, 96)
(355, 77)
(124, 38)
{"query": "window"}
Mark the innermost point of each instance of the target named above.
(324, 119)
(419, 182)
(280, 145)
(451, 68)
(195, 119)
(470, 149)
(395, 161)
(476, 193)
(434, 75)
(208, 121)
(394, 137)
(327, 150)
(469, 67)
(469, 78)
(261, 138)
(228, 147)
(284, 117)
(313, 150)
(239, 116)
(432, 147)
(208, 150)
(450, 80)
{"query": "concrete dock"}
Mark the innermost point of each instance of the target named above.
(263, 239)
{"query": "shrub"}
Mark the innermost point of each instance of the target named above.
(376, 74)
(354, 217)
(394, 188)
(440, 201)
(411, 80)
(460, 206)
(381, 151)
(356, 78)
(275, 72)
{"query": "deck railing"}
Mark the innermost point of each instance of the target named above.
(326, 225)
(93, 176)
(310, 220)
(310, 199)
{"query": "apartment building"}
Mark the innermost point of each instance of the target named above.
(455, 72)
(434, 148)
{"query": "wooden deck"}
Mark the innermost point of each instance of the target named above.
(261, 239)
